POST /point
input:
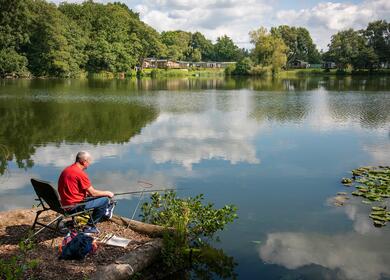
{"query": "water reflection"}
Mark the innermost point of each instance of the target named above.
(352, 255)
(188, 139)
(25, 125)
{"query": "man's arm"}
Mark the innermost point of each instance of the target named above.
(95, 193)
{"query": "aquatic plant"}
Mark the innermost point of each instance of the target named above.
(372, 184)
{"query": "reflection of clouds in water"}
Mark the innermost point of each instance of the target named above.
(15, 201)
(9, 186)
(64, 154)
(379, 152)
(355, 256)
(16, 179)
(359, 215)
(128, 181)
(190, 138)
(320, 117)
(357, 212)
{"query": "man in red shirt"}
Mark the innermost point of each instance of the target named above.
(75, 187)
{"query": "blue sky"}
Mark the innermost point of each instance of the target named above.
(236, 18)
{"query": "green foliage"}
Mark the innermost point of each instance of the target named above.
(270, 49)
(194, 224)
(230, 69)
(15, 267)
(299, 43)
(243, 67)
(203, 45)
(349, 48)
(226, 50)
(177, 43)
(199, 220)
(12, 63)
(377, 35)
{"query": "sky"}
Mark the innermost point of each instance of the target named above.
(236, 18)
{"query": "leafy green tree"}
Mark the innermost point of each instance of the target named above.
(226, 50)
(299, 42)
(270, 49)
(116, 38)
(56, 43)
(205, 46)
(177, 43)
(14, 21)
(243, 67)
(349, 48)
(196, 55)
(377, 35)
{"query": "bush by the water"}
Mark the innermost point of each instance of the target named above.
(194, 222)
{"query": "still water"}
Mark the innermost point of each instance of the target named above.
(275, 148)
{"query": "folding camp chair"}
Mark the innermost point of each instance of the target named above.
(50, 200)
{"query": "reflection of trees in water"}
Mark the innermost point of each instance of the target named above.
(281, 106)
(209, 263)
(370, 109)
(125, 86)
(25, 125)
(356, 83)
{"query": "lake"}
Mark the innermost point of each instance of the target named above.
(277, 149)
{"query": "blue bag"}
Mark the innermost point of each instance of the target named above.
(77, 248)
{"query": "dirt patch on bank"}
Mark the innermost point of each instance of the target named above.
(15, 225)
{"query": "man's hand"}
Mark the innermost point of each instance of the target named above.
(110, 194)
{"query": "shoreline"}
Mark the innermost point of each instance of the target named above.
(142, 250)
(208, 73)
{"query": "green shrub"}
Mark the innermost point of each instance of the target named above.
(15, 267)
(194, 222)
(230, 69)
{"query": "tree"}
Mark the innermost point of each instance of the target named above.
(226, 50)
(243, 67)
(205, 46)
(270, 49)
(299, 42)
(14, 21)
(177, 43)
(56, 44)
(349, 48)
(377, 35)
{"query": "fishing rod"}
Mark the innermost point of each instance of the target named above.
(143, 191)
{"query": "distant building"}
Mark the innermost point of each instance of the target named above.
(315, 65)
(298, 64)
(160, 63)
(329, 65)
(173, 64)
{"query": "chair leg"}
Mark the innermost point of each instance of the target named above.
(60, 217)
(58, 225)
(36, 218)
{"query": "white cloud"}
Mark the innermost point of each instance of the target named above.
(326, 18)
(236, 18)
(213, 18)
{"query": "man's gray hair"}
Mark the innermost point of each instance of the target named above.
(82, 156)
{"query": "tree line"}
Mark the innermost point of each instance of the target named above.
(38, 38)
(348, 49)
(42, 39)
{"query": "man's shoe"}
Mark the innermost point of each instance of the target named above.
(110, 210)
(89, 229)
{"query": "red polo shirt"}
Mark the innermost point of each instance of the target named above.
(72, 185)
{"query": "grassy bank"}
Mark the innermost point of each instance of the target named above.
(315, 72)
